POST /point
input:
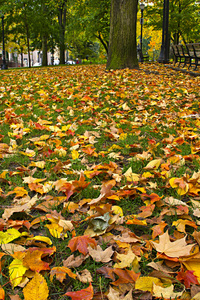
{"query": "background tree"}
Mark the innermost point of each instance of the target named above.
(184, 19)
(122, 51)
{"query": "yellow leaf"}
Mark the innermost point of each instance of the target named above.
(19, 191)
(8, 236)
(41, 239)
(16, 272)
(75, 154)
(117, 210)
(66, 127)
(54, 128)
(180, 185)
(146, 283)
(55, 230)
(38, 164)
(37, 288)
(127, 260)
(130, 176)
(154, 164)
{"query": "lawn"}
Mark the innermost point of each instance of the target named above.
(99, 183)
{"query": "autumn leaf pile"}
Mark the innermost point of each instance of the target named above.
(99, 183)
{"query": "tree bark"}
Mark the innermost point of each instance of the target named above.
(44, 51)
(62, 25)
(122, 52)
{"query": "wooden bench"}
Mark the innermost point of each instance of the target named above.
(188, 54)
(142, 56)
(193, 51)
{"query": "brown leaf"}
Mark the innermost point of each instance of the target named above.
(99, 255)
(84, 276)
(74, 262)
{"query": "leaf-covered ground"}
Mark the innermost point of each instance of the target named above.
(99, 183)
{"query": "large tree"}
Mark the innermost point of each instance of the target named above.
(122, 51)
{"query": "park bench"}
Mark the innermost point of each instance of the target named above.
(188, 54)
(142, 56)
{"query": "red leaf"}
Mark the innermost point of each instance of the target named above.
(187, 277)
(85, 294)
(81, 243)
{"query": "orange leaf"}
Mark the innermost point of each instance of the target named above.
(89, 150)
(158, 229)
(2, 294)
(61, 272)
(81, 243)
(85, 294)
(33, 261)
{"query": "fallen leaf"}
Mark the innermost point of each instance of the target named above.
(60, 273)
(172, 249)
(100, 255)
(167, 293)
(2, 293)
(16, 272)
(86, 294)
(81, 243)
(32, 260)
(84, 276)
(145, 283)
(128, 260)
(37, 288)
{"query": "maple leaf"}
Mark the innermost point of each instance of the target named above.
(37, 288)
(172, 249)
(115, 295)
(99, 255)
(81, 243)
(34, 262)
(74, 262)
(127, 260)
(60, 273)
(86, 294)
(125, 276)
(187, 277)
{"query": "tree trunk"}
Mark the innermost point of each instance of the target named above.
(44, 51)
(27, 36)
(122, 52)
(62, 25)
